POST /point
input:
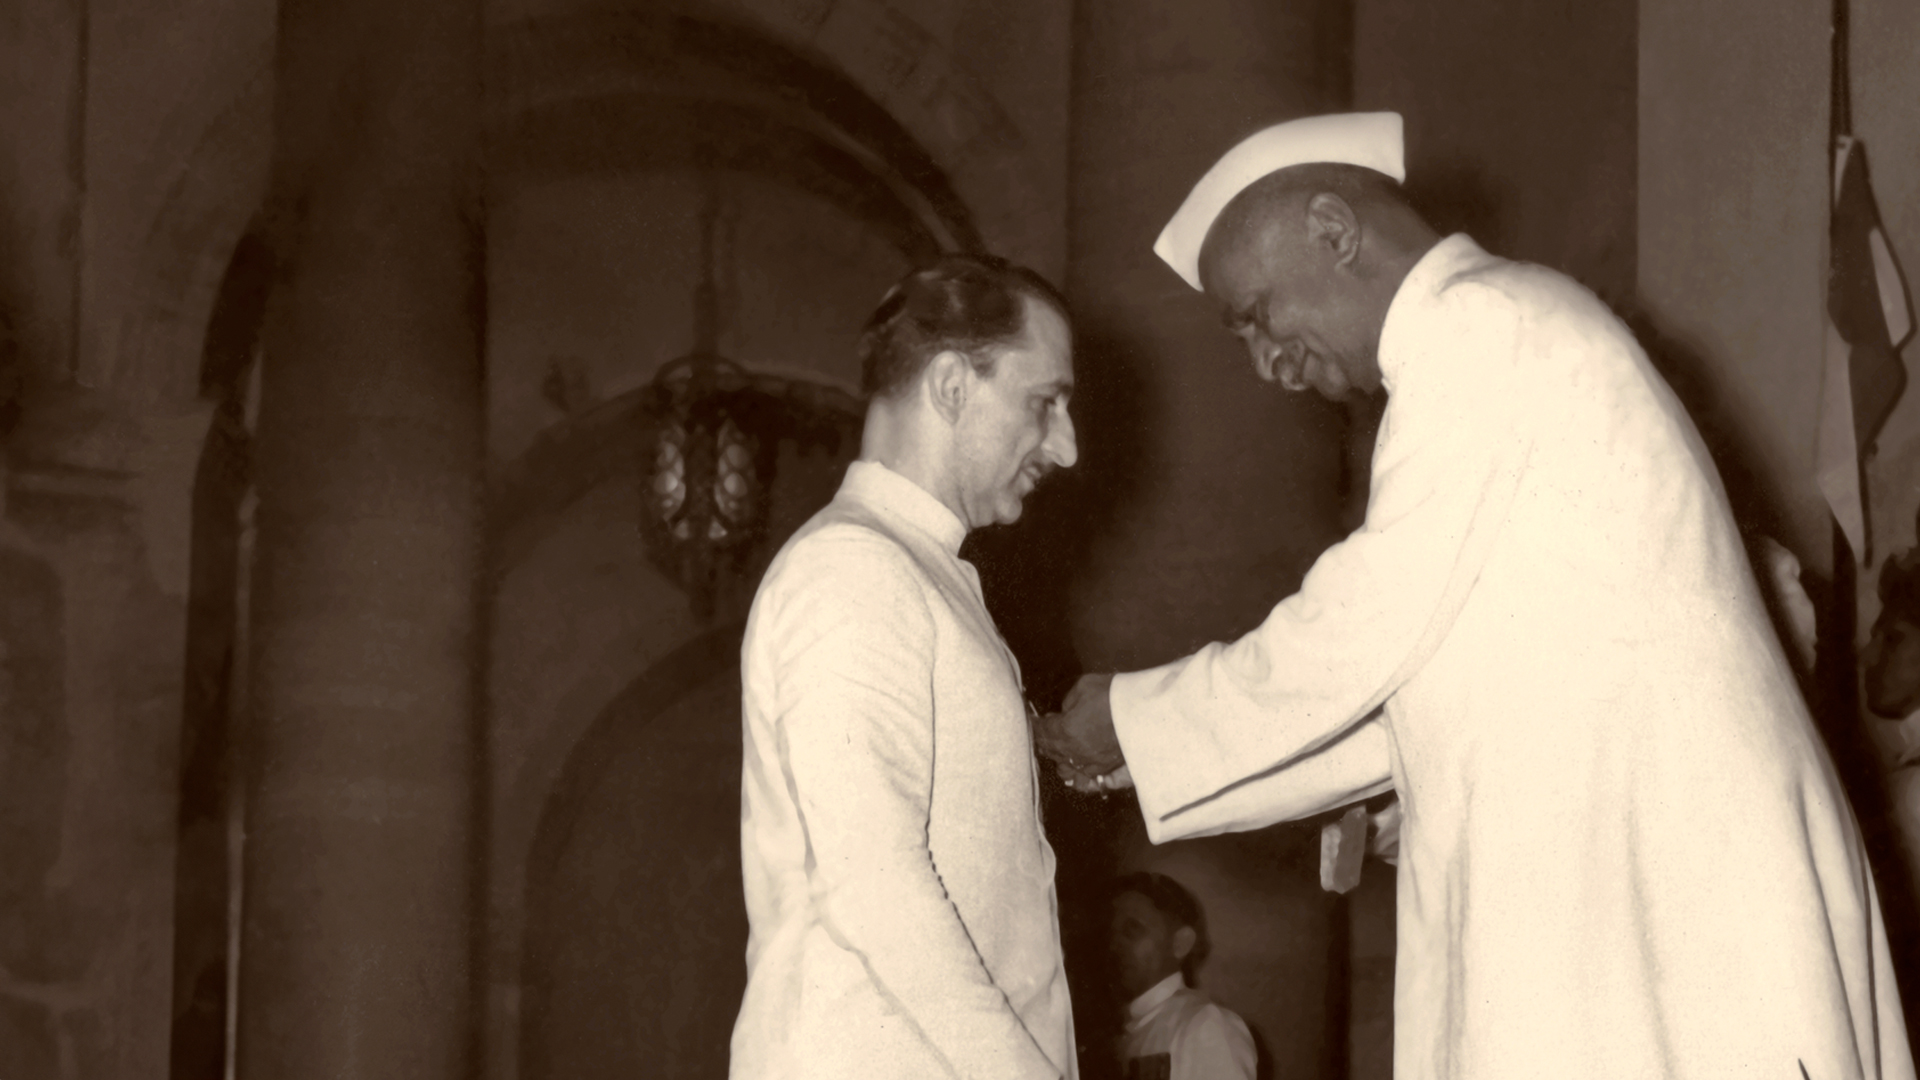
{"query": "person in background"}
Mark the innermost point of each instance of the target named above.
(1890, 683)
(1173, 1032)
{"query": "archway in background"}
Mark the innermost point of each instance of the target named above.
(636, 926)
(655, 88)
(567, 95)
(955, 155)
(205, 864)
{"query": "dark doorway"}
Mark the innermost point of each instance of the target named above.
(637, 933)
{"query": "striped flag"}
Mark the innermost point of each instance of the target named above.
(1867, 319)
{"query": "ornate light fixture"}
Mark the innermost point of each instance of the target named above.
(714, 434)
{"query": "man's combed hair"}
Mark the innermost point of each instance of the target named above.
(971, 304)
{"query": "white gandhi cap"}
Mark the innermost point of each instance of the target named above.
(1370, 140)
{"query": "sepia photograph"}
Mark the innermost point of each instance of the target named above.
(967, 539)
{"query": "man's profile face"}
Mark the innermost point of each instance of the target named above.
(1142, 944)
(1015, 428)
(1300, 315)
(1891, 661)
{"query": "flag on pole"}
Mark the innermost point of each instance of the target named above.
(1867, 319)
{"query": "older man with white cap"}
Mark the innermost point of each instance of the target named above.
(1624, 852)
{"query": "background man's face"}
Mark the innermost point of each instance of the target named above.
(1141, 944)
(1892, 667)
(1015, 428)
(1303, 319)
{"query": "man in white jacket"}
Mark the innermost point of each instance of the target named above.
(899, 888)
(1624, 850)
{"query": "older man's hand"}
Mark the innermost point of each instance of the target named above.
(1095, 783)
(1079, 738)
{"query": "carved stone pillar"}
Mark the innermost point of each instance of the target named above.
(363, 754)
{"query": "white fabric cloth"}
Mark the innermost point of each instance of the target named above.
(1624, 851)
(899, 887)
(1175, 1032)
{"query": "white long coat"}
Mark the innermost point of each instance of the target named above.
(899, 887)
(1625, 851)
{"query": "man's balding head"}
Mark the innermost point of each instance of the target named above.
(968, 367)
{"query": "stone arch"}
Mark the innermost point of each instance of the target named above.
(900, 70)
(658, 88)
(906, 132)
(616, 765)
(901, 73)
(532, 497)
(203, 887)
(155, 349)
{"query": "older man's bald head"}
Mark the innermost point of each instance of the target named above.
(1276, 208)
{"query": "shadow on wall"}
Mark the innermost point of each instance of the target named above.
(1455, 197)
(636, 926)
(42, 942)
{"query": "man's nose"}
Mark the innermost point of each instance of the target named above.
(1061, 447)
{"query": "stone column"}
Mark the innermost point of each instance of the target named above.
(91, 634)
(357, 945)
(1228, 486)
(1213, 492)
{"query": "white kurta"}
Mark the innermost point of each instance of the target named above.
(1175, 1032)
(1625, 852)
(899, 887)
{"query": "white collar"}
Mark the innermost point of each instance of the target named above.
(876, 485)
(1157, 996)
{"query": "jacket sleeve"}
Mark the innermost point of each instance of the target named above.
(1355, 766)
(1452, 447)
(857, 713)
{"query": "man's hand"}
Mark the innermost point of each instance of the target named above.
(1095, 784)
(1080, 737)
